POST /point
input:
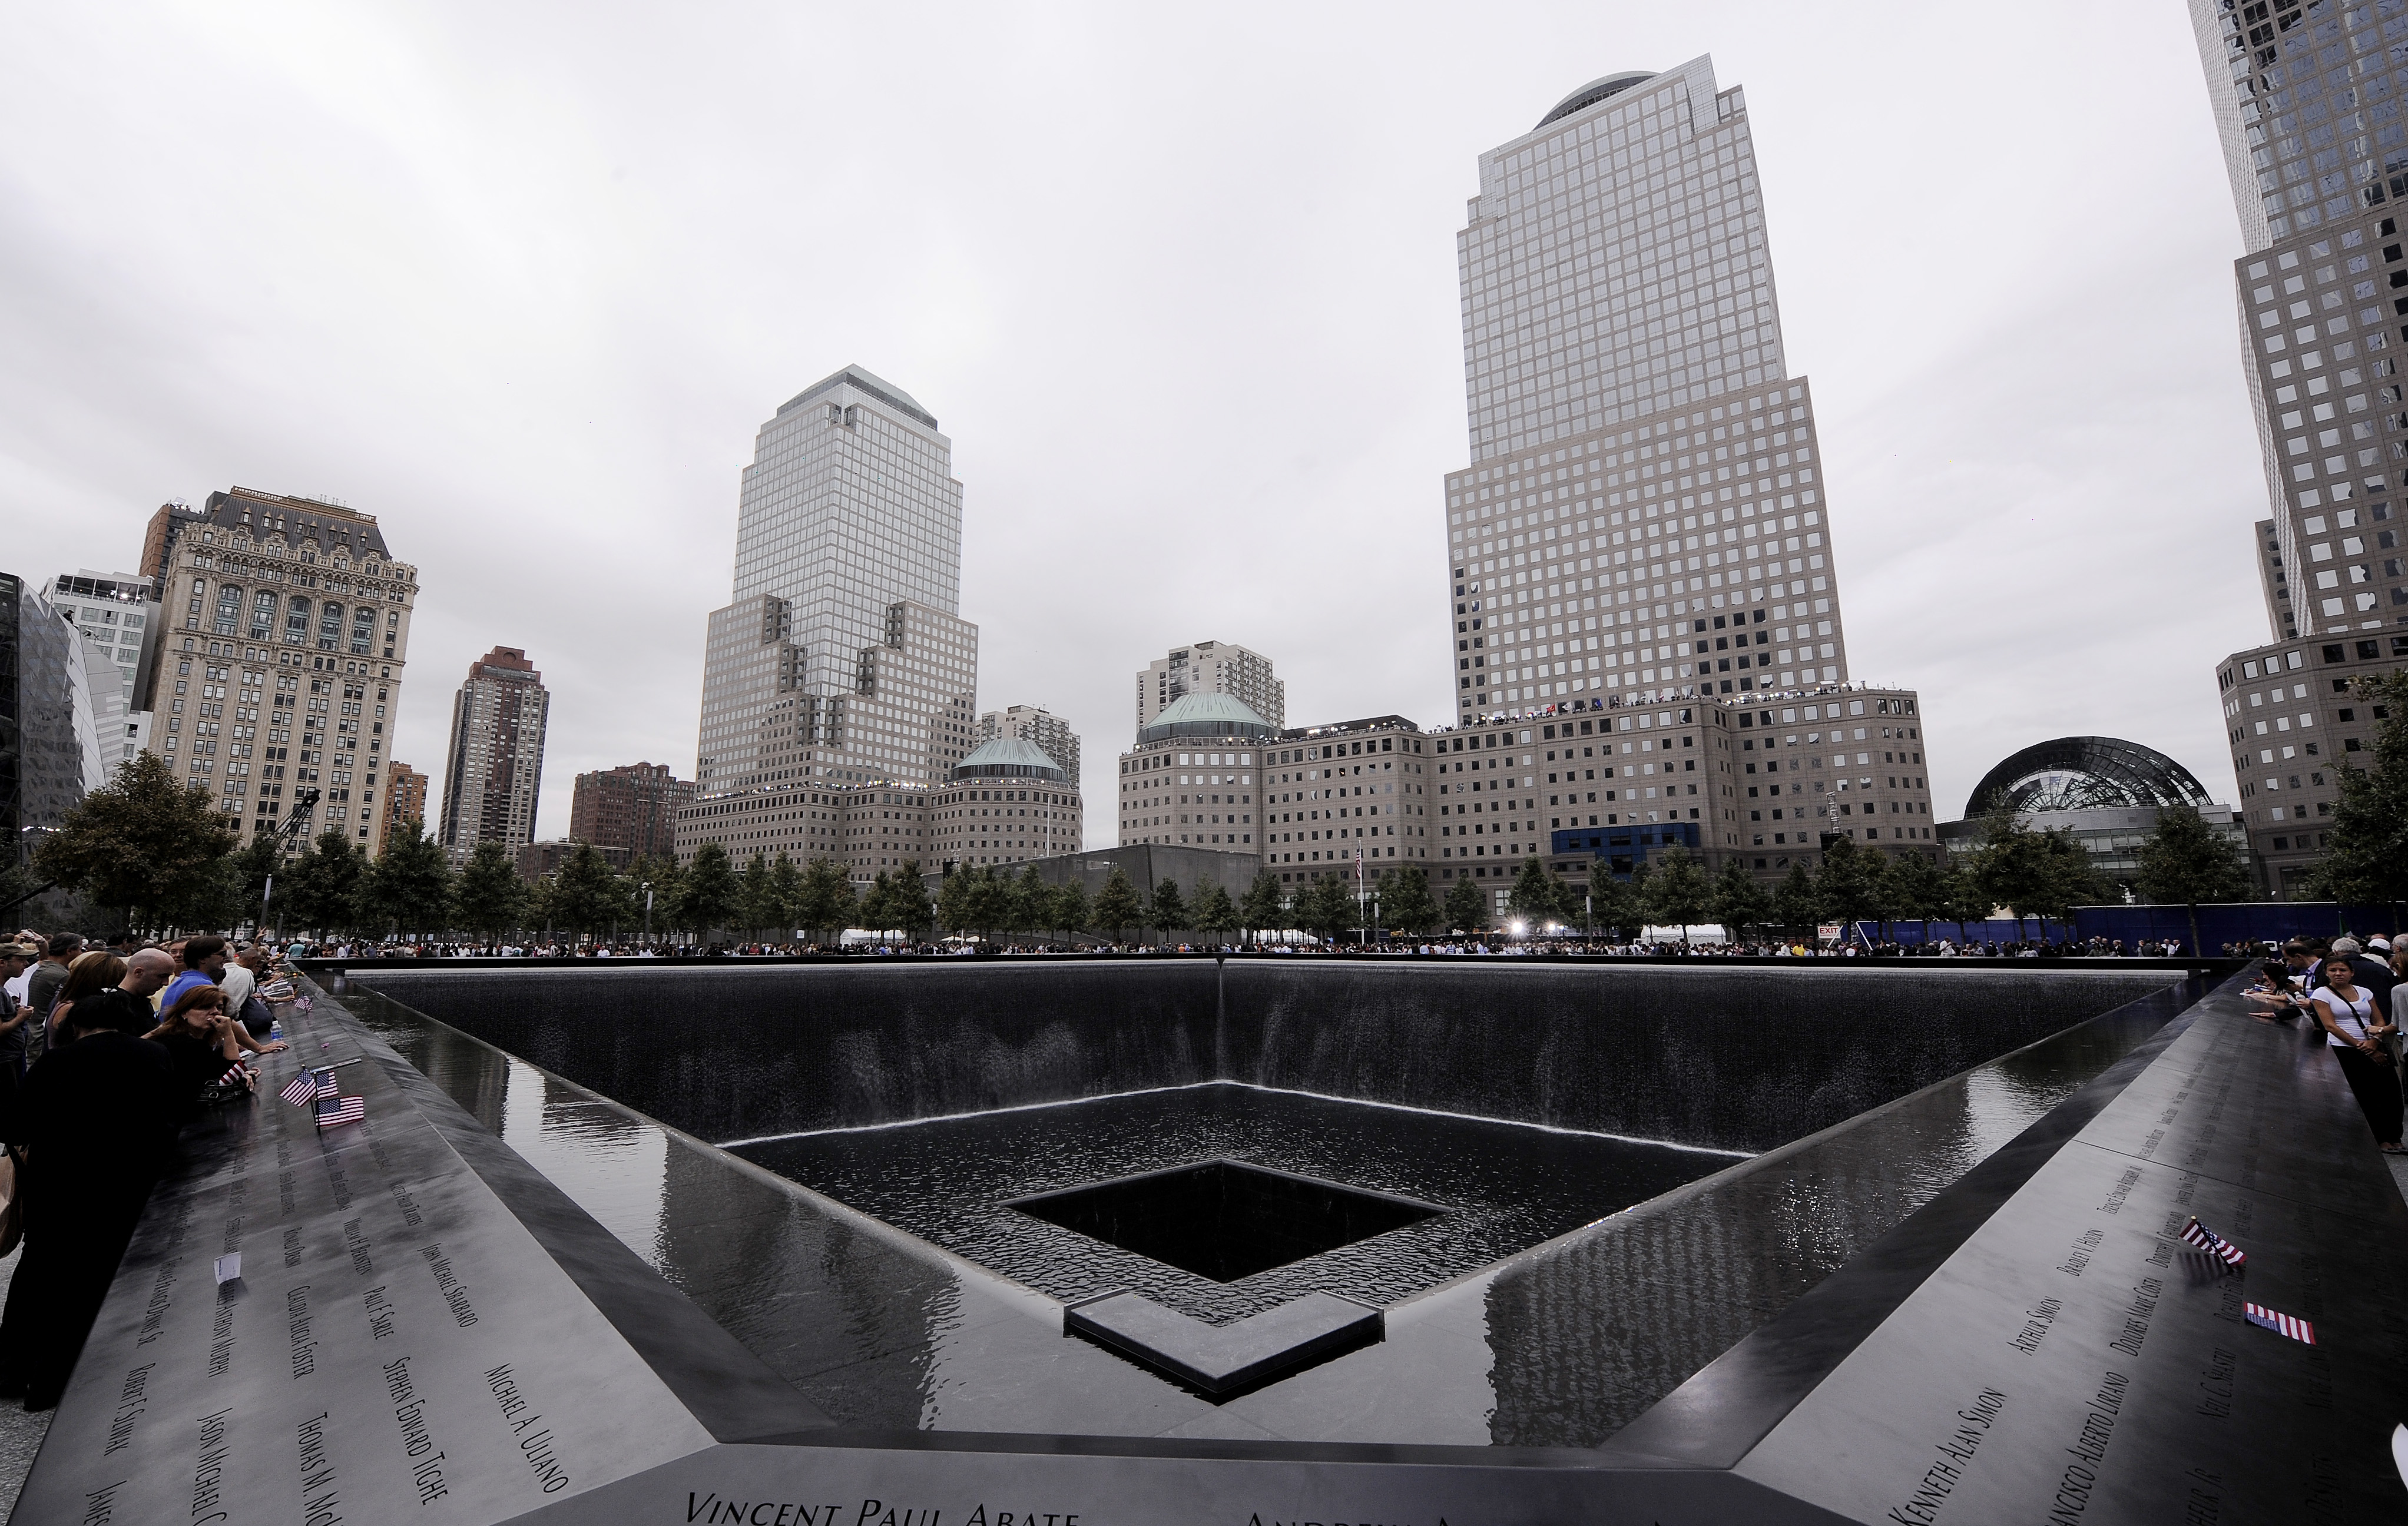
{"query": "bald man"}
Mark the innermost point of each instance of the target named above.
(146, 974)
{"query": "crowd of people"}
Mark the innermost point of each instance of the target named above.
(2357, 994)
(1492, 945)
(106, 1052)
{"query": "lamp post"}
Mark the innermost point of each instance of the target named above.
(647, 888)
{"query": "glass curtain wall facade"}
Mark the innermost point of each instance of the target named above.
(843, 664)
(2308, 102)
(1643, 471)
(1642, 538)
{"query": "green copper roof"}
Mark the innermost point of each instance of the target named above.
(1010, 757)
(1207, 715)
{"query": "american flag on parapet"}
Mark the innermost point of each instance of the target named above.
(2198, 1235)
(303, 1087)
(341, 1110)
(2280, 1324)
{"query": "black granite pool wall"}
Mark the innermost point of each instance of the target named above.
(1733, 1057)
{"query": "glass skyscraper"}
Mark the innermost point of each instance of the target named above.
(2309, 106)
(1640, 457)
(844, 663)
(1641, 544)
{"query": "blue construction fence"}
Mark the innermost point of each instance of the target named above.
(2268, 922)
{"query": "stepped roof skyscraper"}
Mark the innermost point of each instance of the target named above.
(1643, 525)
(1634, 432)
(844, 663)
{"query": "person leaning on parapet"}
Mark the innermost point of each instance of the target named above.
(97, 1118)
(2373, 973)
(205, 962)
(2357, 1031)
(43, 991)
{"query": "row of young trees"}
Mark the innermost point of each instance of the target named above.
(152, 850)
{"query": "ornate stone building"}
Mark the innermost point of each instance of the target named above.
(279, 667)
(632, 808)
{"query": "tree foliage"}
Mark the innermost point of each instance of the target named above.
(2186, 863)
(1326, 908)
(707, 896)
(1467, 906)
(1798, 901)
(826, 904)
(584, 894)
(411, 889)
(142, 845)
(1215, 913)
(488, 897)
(1170, 909)
(327, 885)
(1533, 897)
(1117, 908)
(1737, 901)
(1264, 908)
(1678, 892)
(1405, 900)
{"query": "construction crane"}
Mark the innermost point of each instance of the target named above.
(304, 802)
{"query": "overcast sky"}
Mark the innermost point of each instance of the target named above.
(523, 280)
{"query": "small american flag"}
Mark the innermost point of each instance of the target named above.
(2282, 1324)
(2198, 1234)
(341, 1110)
(303, 1087)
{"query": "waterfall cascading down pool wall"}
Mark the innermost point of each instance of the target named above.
(1734, 1058)
(1973, 1300)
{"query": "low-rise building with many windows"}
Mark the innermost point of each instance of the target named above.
(1008, 802)
(1194, 780)
(2294, 718)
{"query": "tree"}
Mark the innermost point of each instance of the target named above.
(1328, 908)
(785, 898)
(1613, 904)
(411, 886)
(1070, 911)
(1264, 908)
(708, 897)
(1169, 908)
(1533, 896)
(2068, 879)
(1215, 913)
(1467, 906)
(826, 904)
(2186, 862)
(1737, 901)
(956, 901)
(1798, 901)
(1917, 889)
(1405, 900)
(1117, 908)
(1032, 902)
(488, 897)
(141, 845)
(2369, 865)
(878, 903)
(1678, 892)
(2013, 869)
(756, 897)
(1849, 880)
(907, 900)
(583, 892)
(326, 884)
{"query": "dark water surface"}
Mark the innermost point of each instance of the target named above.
(1504, 1186)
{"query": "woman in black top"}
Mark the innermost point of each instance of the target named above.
(198, 1036)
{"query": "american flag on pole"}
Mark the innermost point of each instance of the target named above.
(340, 1111)
(303, 1088)
(2282, 1324)
(2198, 1235)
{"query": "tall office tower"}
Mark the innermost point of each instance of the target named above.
(1035, 723)
(1211, 667)
(117, 614)
(494, 771)
(633, 807)
(1642, 527)
(405, 800)
(280, 670)
(50, 744)
(2308, 105)
(1637, 447)
(843, 663)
